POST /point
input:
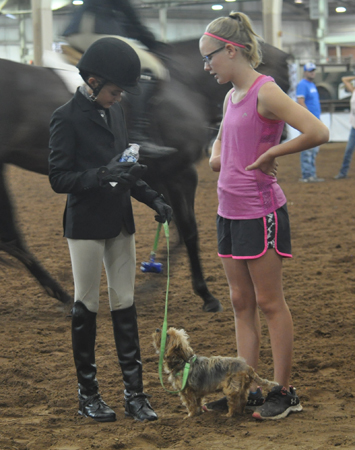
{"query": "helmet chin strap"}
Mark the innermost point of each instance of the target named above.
(96, 91)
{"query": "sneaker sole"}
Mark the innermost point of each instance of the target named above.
(287, 411)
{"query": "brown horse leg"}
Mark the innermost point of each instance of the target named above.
(181, 191)
(12, 243)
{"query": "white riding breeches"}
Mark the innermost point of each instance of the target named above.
(119, 258)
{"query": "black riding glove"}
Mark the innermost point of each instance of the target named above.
(113, 168)
(164, 211)
(123, 183)
(125, 174)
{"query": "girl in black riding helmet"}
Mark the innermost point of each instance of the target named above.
(87, 137)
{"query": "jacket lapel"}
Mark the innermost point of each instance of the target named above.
(89, 109)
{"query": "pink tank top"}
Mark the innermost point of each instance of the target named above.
(245, 136)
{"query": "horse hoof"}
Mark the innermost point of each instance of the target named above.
(212, 306)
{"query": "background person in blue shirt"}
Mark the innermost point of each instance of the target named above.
(307, 96)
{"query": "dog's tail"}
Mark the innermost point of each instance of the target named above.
(261, 381)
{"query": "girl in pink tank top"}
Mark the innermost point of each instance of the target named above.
(252, 220)
(245, 136)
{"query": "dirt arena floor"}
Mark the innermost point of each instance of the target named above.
(38, 396)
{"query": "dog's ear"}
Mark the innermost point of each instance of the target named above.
(177, 350)
(187, 337)
(167, 339)
(156, 340)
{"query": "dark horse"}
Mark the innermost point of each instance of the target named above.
(188, 105)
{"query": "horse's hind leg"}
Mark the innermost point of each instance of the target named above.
(181, 191)
(12, 243)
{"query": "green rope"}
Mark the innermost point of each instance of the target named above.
(155, 246)
(165, 322)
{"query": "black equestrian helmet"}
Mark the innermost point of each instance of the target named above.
(113, 60)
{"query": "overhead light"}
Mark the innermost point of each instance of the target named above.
(340, 9)
(298, 1)
(77, 2)
(217, 7)
(230, 0)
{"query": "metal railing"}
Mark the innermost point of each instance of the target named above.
(335, 105)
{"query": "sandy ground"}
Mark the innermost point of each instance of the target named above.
(38, 399)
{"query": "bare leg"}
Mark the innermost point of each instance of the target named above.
(246, 316)
(266, 274)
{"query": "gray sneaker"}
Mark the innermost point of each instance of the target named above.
(279, 403)
(255, 399)
(340, 176)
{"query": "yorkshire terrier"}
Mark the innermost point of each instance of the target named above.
(231, 375)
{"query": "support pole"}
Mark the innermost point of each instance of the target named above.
(163, 22)
(322, 29)
(42, 23)
(272, 22)
(23, 49)
(338, 53)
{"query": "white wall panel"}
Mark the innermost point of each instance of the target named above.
(10, 52)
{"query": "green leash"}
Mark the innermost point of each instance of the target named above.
(155, 246)
(165, 322)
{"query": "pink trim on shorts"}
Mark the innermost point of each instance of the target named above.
(224, 40)
(285, 255)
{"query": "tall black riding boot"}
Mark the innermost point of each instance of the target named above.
(140, 111)
(83, 339)
(125, 330)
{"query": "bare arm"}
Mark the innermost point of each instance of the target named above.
(300, 101)
(275, 104)
(348, 83)
(215, 159)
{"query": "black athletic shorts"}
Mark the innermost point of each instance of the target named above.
(251, 238)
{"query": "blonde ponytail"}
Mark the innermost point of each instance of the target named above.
(237, 28)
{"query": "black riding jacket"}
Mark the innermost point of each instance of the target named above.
(81, 142)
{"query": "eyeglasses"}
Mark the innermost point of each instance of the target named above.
(208, 58)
